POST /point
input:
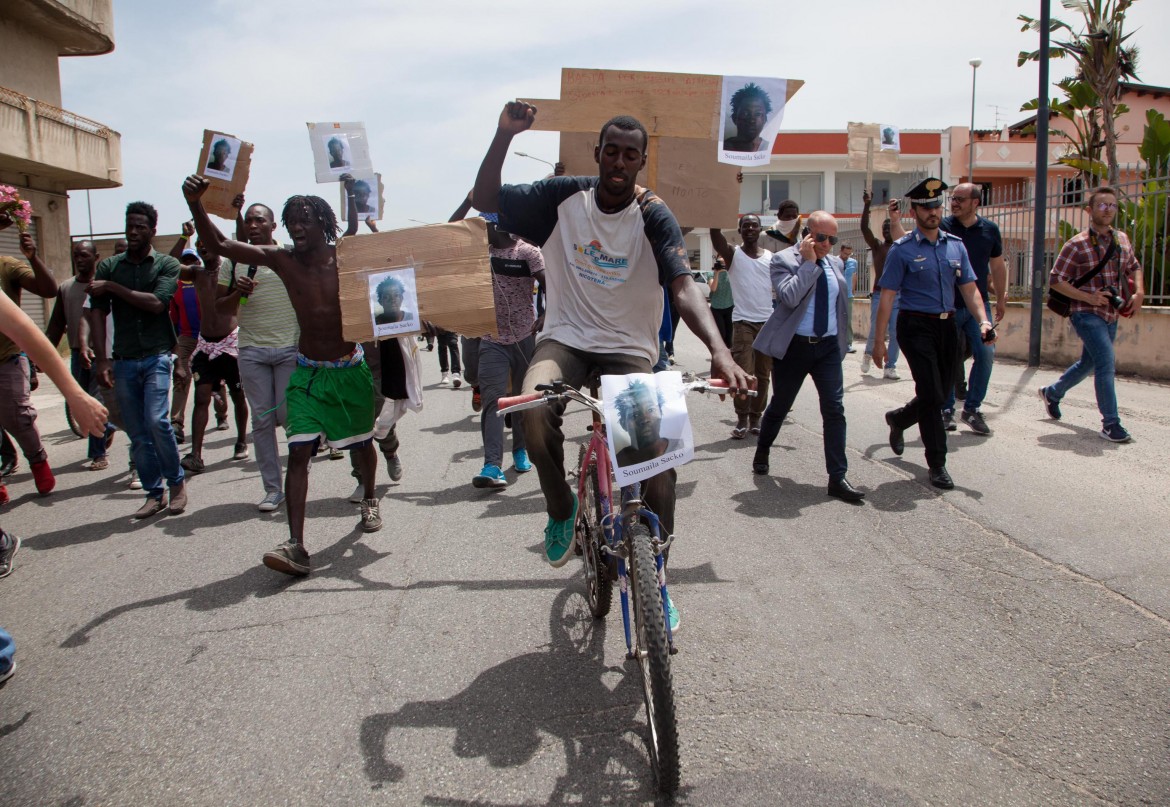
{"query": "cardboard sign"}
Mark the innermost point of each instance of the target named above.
(866, 152)
(698, 190)
(646, 424)
(375, 198)
(452, 272)
(225, 162)
(339, 148)
(681, 114)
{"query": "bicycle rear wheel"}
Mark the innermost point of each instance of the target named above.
(653, 659)
(590, 537)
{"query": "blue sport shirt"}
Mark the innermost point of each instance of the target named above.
(926, 274)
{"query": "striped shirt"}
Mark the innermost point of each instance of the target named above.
(268, 318)
(1081, 254)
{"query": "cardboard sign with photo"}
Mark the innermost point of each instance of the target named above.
(368, 191)
(393, 299)
(339, 148)
(225, 161)
(750, 114)
(646, 423)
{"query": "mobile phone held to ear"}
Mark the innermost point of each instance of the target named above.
(804, 231)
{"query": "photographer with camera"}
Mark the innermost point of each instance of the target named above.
(1116, 287)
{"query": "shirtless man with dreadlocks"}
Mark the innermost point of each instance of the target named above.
(331, 392)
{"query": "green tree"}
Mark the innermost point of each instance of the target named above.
(1103, 59)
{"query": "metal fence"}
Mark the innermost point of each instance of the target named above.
(1144, 215)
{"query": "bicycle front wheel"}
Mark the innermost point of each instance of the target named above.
(590, 537)
(653, 658)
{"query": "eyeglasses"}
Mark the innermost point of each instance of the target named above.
(1105, 207)
(822, 238)
(962, 198)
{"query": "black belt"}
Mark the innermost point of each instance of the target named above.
(812, 340)
(943, 315)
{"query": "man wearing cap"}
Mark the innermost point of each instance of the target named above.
(807, 336)
(925, 267)
(985, 250)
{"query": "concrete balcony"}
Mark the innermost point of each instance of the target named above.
(77, 27)
(46, 141)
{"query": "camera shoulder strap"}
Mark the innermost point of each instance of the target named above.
(1085, 278)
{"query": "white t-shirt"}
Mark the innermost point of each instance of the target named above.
(751, 286)
(604, 271)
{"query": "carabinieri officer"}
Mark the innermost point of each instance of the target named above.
(926, 265)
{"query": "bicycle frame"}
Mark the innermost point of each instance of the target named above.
(611, 523)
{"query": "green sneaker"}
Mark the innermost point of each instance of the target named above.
(672, 615)
(558, 539)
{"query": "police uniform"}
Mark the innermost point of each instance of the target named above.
(926, 276)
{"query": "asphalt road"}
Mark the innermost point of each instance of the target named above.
(1004, 643)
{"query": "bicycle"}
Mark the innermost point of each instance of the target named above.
(625, 546)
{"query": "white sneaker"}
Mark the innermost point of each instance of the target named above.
(866, 363)
(359, 493)
(456, 380)
(271, 502)
(891, 374)
(446, 380)
(134, 483)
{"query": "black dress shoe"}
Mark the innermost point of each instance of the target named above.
(941, 479)
(844, 491)
(760, 464)
(897, 443)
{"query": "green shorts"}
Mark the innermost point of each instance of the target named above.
(334, 404)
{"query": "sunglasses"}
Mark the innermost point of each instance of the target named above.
(822, 238)
(1105, 207)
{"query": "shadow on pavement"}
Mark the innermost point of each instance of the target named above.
(505, 715)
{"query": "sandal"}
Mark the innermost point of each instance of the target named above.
(755, 425)
(739, 432)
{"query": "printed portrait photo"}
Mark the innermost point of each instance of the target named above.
(752, 111)
(394, 302)
(337, 151)
(365, 192)
(647, 424)
(891, 138)
(221, 161)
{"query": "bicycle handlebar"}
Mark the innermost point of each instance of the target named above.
(559, 390)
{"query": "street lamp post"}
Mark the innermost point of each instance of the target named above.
(971, 135)
(529, 156)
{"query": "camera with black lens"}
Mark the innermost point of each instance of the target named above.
(1114, 298)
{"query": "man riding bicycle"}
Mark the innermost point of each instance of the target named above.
(609, 249)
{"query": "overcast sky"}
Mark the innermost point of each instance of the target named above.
(429, 79)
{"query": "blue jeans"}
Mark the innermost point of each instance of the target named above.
(143, 387)
(1096, 358)
(86, 380)
(982, 355)
(894, 352)
(7, 647)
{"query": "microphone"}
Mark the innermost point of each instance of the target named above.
(251, 276)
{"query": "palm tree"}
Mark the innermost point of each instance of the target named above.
(1103, 59)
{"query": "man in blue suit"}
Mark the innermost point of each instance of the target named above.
(807, 336)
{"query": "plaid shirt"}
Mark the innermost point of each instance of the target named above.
(1081, 254)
